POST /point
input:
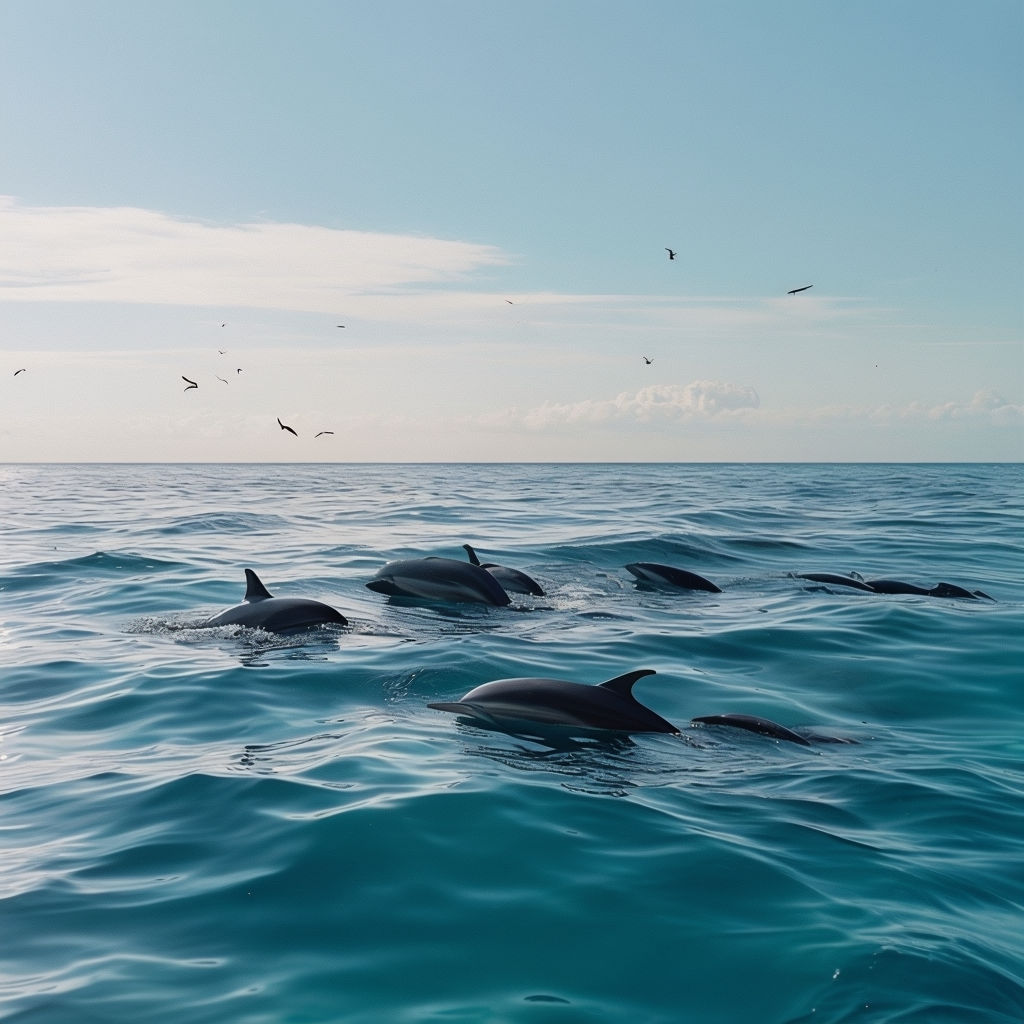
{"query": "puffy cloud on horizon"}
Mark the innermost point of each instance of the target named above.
(658, 403)
(127, 254)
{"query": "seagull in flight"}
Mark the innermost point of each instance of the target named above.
(16, 372)
(648, 361)
(795, 290)
(322, 432)
(220, 378)
(671, 253)
(191, 383)
(284, 426)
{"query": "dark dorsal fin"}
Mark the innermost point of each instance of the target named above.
(623, 685)
(254, 589)
(472, 554)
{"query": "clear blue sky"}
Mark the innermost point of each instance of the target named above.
(482, 193)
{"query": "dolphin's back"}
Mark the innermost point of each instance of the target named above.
(660, 575)
(438, 579)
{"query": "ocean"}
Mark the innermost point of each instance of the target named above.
(222, 825)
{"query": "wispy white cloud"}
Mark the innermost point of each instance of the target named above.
(661, 405)
(655, 405)
(126, 254)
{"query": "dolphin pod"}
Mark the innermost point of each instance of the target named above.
(260, 609)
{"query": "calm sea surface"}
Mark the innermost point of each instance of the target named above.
(223, 826)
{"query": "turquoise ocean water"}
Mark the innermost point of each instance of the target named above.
(224, 826)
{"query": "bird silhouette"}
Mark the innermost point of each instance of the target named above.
(284, 426)
(322, 432)
(16, 372)
(220, 378)
(341, 325)
(239, 370)
(671, 253)
(648, 361)
(793, 291)
(191, 383)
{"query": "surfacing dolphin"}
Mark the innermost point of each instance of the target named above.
(261, 610)
(894, 586)
(939, 590)
(611, 705)
(654, 574)
(835, 579)
(765, 727)
(512, 580)
(439, 579)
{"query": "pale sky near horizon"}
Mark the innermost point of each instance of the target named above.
(482, 194)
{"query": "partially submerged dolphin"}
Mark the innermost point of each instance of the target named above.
(261, 610)
(765, 727)
(893, 586)
(439, 579)
(659, 575)
(939, 590)
(512, 580)
(836, 580)
(609, 705)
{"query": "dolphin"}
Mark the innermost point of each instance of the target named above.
(764, 727)
(836, 579)
(260, 609)
(608, 705)
(940, 590)
(661, 575)
(512, 580)
(439, 579)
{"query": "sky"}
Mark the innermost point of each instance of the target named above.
(436, 230)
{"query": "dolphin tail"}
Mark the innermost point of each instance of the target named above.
(254, 589)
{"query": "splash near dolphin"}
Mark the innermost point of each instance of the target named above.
(261, 610)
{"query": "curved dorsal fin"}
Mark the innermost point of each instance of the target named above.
(623, 685)
(254, 589)
(472, 554)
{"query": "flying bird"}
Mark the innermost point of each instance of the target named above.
(671, 253)
(648, 361)
(322, 432)
(239, 370)
(510, 302)
(341, 325)
(284, 426)
(222, 351)
(795, 290)
(191, 383)
(16, 372)
(220, 378)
